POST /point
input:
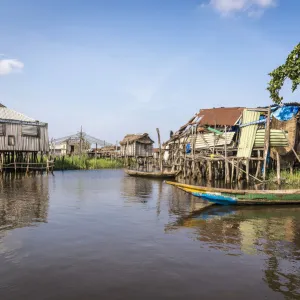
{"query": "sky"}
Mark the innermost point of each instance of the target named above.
(116, 67)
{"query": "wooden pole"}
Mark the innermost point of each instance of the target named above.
(47, 165)
(227, 176)
(160, 154)
(209, 170)
(267, 141)
(278, 168)
(258, 170)
(237, 169)
(15, 162)
(27, 167)
(232, 170)
(247, 169)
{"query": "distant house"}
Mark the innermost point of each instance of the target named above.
(59, 149)
(78, 143)
(19, 133)
(137, 145)
(70, 146)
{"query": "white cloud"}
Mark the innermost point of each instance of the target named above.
(8, 66)
(254, 8)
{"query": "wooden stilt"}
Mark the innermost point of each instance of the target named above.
(267, 141)
(232, 170)
(278, 168)
(209, 170)
(160, 152)
(247, 170)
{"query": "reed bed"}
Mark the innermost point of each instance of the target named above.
(77, 162)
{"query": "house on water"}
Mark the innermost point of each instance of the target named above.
(21, 138)
(236, 142)
(137, 145)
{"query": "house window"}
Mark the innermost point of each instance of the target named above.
(29, 130)
(11, 140)
(2, 129)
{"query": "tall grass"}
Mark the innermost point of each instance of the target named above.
(77, 162)
(286, 177)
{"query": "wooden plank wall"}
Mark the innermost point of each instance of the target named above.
(24, 143)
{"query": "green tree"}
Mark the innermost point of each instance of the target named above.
(291, 70)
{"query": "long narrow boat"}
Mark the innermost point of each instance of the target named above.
(159, 175)
(242, 197)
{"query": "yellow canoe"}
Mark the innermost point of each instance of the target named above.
(185, 187)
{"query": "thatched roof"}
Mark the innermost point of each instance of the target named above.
(141, 138)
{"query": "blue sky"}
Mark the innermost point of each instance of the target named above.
(118, 67)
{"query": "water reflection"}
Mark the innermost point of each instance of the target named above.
(270, 232)
(182, 204)
(23, 201)
(135, 189)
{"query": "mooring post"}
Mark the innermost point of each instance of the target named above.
(267, 141)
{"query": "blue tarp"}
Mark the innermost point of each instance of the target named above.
(188, 148)
(285, 113)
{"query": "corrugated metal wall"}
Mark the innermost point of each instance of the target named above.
(277, 138)
(248, 133)
(24, 143)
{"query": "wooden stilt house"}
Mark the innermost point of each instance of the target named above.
(137, 145)
(21, 138)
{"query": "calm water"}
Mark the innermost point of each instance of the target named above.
(103, 235)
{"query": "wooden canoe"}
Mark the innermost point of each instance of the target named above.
(243, 197)
(162, 175)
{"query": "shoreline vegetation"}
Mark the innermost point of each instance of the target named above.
(287, 178)
(84, 162)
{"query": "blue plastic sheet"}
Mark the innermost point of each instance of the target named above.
(285, 113)
(188, 148)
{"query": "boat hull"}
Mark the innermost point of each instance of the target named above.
(245, 197)
(158, 175)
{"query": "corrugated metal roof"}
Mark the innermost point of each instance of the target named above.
(9, 114)
(220, 116)
(248, 133)
(210, 140)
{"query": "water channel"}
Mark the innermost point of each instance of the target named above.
(103, 235)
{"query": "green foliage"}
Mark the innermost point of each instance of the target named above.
(289, 70)
(286, 177)
(85, 163)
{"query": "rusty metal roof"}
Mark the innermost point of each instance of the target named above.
(220, 116)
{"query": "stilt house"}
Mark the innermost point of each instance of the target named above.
(19, 133)
(206, 130)
(137, 145)
(235, 143)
